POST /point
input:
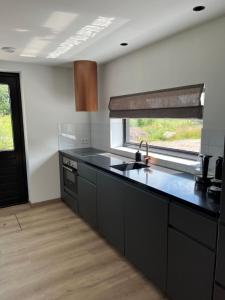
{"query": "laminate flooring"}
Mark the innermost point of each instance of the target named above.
(49, 253)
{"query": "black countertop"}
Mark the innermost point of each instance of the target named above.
(176, 185)
(80, 153)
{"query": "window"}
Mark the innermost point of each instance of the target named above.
(182, 135)
(6, 132)
(167, 119)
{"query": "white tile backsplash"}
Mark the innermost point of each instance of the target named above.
(212, 138)
(100, 136)
(213, 144)
(74, 135)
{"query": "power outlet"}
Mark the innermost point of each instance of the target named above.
(84, 141)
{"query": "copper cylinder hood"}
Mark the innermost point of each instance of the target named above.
(86, 90)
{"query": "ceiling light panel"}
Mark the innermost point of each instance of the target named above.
(34, 47)
(85, 33)
(28, 55)
(21, 30)
(59, 21)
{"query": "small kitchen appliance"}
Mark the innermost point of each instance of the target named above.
(219, 168)
(216, 187)
(203, 177)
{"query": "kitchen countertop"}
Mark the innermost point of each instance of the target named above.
(176, 185)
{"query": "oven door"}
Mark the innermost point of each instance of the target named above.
(70, 180)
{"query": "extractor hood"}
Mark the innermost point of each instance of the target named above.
(86, 89)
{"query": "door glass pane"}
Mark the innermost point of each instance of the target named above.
(6, 131)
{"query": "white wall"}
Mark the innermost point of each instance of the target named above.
(47, 99)
(192, 57)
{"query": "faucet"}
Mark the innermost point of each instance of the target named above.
(146, 157)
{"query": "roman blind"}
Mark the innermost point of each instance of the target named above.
(179, 102)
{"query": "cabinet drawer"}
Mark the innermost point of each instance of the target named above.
(219, 293)
(87, 172)
(194, 224)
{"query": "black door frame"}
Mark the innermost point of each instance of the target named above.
(18, 134)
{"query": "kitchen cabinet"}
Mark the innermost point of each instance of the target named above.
(190, 268)
(219, 293)
(196, 225)
(146, 221)
(222, 217)
(111, 193)
(222, 198)
(170, 243)
(220, 264)
(136, 221)
(87, 201)
(87, 172)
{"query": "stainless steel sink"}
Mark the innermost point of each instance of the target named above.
(129, 166)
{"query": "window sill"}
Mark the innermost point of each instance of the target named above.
(177, 163)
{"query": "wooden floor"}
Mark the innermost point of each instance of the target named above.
(46, 252)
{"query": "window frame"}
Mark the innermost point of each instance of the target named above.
(156, 149)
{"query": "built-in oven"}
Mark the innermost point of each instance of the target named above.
(69, 182)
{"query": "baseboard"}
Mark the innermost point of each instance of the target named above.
(46, 202)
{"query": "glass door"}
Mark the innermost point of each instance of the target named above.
(13, 178)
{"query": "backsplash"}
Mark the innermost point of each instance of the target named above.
(73, 135)
(100, 135)
(213, 144)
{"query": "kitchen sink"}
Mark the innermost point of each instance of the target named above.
(129, 166)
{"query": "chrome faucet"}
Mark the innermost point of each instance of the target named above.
(146, 157)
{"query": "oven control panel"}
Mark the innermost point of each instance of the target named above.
(70, 163)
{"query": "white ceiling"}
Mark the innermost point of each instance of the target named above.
(38, 27)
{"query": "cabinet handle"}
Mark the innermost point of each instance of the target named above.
(68, 169)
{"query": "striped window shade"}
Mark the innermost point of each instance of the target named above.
(180, 102)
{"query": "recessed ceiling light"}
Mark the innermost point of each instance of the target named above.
(8, 49)
(199, 8)
(124, 44)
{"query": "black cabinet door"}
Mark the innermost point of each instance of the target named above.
(219, 293)
(222, 198)
(220, 264)
(87, 201)
(197, 226)
(190, 268)
(110, 197)
(222, 201)
(146, 221)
